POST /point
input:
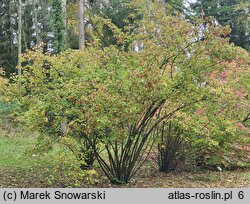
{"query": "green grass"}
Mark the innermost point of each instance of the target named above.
(21, 166)
(21, 163)
(16, 152)
(12, 151)
(16, 145)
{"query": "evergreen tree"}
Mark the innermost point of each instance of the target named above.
(8, 49)
(229, 12)
(58, 26)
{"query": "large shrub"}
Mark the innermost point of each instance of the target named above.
(112, 100)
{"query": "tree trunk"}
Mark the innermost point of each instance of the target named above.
(36, 22)
(164, 5)
(81, 24)
(19, 39)
(64, 8)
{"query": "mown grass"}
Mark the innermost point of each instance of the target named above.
(16, 144)
(12, 151)
(21, 166)
(16, 152)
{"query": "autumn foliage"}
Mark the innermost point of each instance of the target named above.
(114, 100)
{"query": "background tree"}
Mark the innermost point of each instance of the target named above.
(8, 26)
(37, 32)
(234, 13)
(81, 19)
(58, 26)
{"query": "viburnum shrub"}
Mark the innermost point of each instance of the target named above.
(113, 100)
(66, 173)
